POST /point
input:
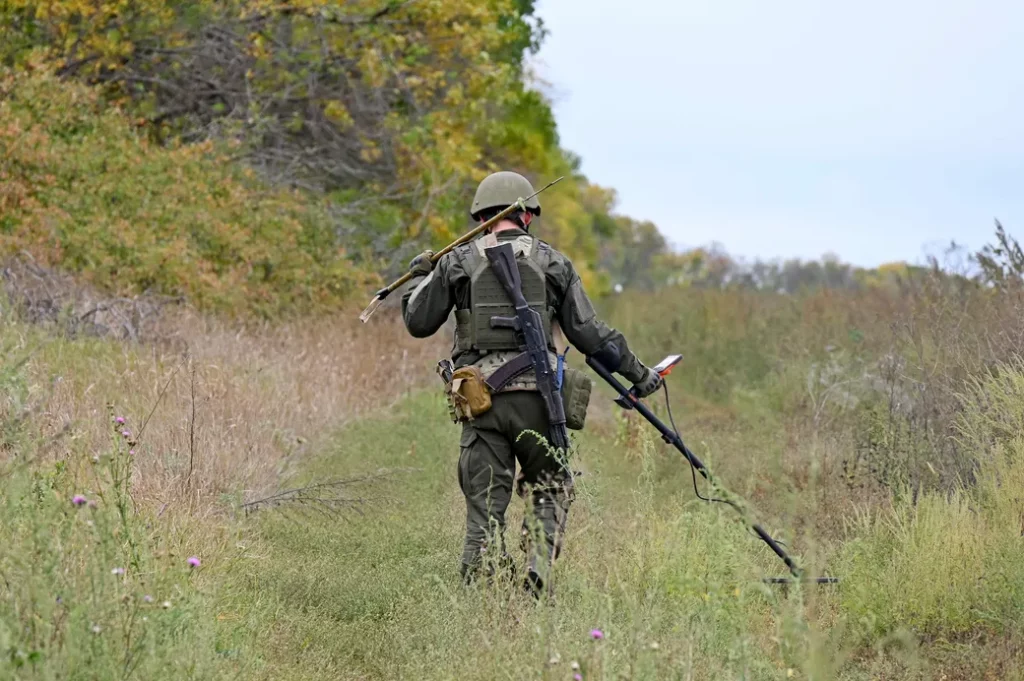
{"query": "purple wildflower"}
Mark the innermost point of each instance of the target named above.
(131, 452)
(147, 598)
(117, 571)
(596, 634)
(577, 677)
(120, 420)
(78, 500)
(126, 433)
(193, 562)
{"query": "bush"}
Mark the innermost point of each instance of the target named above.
(952, 563)
(84, 192)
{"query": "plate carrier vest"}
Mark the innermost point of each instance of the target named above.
(487, 297)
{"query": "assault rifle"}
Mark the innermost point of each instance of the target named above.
(379, 297)
(530, 324)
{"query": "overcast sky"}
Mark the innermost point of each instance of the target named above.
(878, 130)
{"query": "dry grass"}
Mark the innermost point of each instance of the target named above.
(217, 410)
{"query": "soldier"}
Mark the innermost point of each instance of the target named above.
(491, 442)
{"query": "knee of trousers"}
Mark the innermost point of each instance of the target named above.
(551, 513)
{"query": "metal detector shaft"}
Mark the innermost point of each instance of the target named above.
(670, 436)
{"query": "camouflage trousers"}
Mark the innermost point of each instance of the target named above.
(491, 445)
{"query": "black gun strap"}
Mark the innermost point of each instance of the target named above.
(509, 371)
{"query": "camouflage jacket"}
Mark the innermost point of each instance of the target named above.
(428, 303)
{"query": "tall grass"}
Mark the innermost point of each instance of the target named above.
(877, 433)
(119, 461)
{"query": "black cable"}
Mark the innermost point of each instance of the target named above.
(693, 471)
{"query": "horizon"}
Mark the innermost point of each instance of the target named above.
(778, 133)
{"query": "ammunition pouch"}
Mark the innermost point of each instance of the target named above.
(576, 388)
(467, 394)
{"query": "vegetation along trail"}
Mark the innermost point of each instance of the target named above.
(210, 469)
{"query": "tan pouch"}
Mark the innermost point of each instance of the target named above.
(469, 393)
(576, 388)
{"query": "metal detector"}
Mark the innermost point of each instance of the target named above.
(628, 399)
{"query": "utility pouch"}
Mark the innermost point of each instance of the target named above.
(576, 387)
(468, 396)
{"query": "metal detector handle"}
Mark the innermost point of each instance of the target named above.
(662, 368)
(628, 400)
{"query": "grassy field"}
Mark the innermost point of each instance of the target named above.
(787, 399)
(673, 584)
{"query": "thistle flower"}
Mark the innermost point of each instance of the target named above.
(78, 500)
(131, 452)
(92, 503)
(193, 562)
(126, 433)
(147, 598)
(117, 571)
(120, 420)
(577, 677)
(596, 634)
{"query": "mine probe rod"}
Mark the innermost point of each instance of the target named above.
(379, 297)
(672, 437)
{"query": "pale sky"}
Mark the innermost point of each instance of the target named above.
(877, 130)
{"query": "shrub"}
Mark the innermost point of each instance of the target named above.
(83, 191)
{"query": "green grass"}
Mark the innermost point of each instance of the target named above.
(377, 594)
(932, 582)
(91, 588)
(673, 583)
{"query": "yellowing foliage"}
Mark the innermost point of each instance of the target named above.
(81, 189)
(396, 110)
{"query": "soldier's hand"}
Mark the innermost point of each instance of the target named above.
(648, 384)
(421, 265)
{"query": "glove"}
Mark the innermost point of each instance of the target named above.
(420, 266)
(648, 384)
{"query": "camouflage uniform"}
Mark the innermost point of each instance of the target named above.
(491, 443)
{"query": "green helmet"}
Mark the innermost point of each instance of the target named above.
(500, 190)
